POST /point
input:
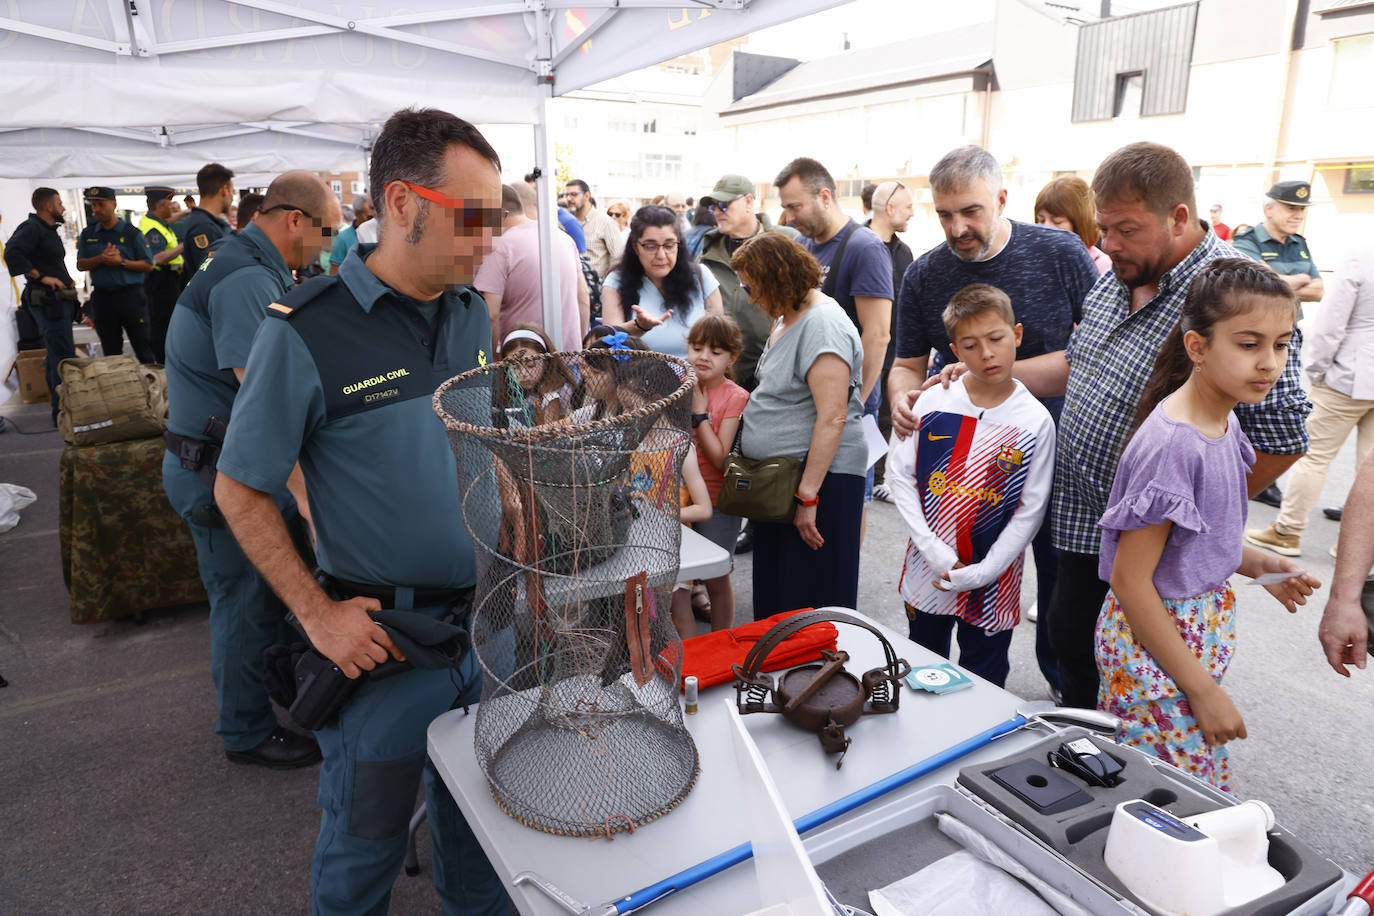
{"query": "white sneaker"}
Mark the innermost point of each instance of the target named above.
(883, 492)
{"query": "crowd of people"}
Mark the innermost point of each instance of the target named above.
(1106, 386)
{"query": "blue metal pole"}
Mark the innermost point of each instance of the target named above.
(716, 864)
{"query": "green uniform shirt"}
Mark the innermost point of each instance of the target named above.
(130, 243)
(1287, 257)
(341, 376)
(213, 325)
(198, 231)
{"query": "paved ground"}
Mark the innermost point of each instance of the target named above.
(115, 798)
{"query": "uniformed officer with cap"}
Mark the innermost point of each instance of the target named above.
(117, 256)
(341, 378)
(208, 341)
(163, 285)
(206, 222)
(37, 253)
(1277, 243)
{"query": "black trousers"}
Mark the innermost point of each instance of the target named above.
(120, 310)
(790, 575)
(162, 287)
(1078, 596)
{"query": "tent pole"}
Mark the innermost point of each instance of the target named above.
(548, 225)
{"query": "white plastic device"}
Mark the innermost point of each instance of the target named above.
(1192, 866)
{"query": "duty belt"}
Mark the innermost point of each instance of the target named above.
(194, 454)
(424, 597)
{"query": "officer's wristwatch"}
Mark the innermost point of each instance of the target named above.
(699, 418)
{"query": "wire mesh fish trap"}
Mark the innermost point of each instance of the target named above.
(571, 467)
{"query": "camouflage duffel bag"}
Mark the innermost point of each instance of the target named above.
(107, 399)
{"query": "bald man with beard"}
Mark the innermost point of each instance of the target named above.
(208, 341)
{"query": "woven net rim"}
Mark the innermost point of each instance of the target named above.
(562, 431)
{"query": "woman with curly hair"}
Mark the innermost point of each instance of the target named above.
(1067, 203)
(806, 406)
(658, 292)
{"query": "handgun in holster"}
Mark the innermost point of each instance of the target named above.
(202, 456)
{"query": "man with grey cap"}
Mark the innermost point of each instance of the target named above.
(1276, 242)
(163, 285)
(733, 203)
(345, 240)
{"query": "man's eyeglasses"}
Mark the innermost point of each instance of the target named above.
(892, 187)
(326, 231)
(651, 248)
(465, 215)
(720, 206)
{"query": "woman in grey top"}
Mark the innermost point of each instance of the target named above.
(806, 406)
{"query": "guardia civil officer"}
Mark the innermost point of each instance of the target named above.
(37, 253)
(163, 285)
(384, 491)
(1276, 242)
(206, 222)
(118, 257)
(208, 340)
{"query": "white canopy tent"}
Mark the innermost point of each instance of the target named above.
(125, 91)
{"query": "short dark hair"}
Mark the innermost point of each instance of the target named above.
(813, 175)
(1149, 172)
(41, 196)
(972, 301)
(212, 178)
(412, 146)
(580, 185)
(249, 205)
(510, 200)
(866, 195)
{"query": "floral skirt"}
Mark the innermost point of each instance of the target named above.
(1154, 712)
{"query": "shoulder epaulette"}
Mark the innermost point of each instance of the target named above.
(298, 298)
(1248, 230)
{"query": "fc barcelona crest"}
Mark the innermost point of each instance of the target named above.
(1009, 459)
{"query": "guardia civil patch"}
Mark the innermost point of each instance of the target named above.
(200, 241)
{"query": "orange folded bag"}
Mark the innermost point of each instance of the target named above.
(710, 657)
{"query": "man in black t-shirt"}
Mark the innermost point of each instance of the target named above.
(1046, 272)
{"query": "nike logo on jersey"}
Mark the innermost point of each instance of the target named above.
(934, 438)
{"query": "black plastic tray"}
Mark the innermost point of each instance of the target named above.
(1080, 833)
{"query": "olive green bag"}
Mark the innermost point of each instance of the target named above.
(110, 399)
(759, 489)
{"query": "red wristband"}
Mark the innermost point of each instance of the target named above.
(807, 503)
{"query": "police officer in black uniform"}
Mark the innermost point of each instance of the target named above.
(206, 222)
(117, 256)
(37, 253)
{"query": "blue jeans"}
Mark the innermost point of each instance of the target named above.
(245, 616)
(57, 340)
(374, 757)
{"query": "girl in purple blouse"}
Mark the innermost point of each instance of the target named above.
(1171, 535)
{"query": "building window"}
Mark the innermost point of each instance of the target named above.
(1352, 70)
(1130, 90)
(570, 122)
(357, 187)
(1359, 181)
(336, 186)
(651, 126)
(622, 125)
(661, 165)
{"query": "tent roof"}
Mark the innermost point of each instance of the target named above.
(145, 77)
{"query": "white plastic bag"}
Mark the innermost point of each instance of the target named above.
(960, 884)
(12, 499)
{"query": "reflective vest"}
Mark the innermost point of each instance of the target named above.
(149, 224)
